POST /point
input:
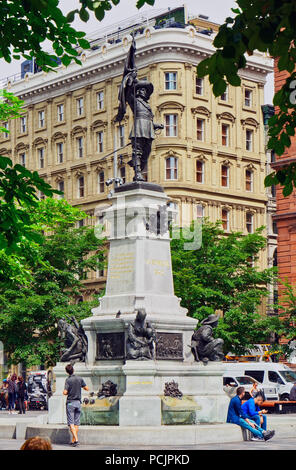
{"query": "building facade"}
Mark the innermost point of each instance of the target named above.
(210, 158)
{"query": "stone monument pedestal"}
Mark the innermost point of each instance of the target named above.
(140, 277)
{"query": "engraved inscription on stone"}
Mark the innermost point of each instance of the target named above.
(169, 346)
(110, 346)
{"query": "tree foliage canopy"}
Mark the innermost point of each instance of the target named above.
(222, 276)
(267, 26)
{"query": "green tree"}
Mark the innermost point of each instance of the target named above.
(267, 26)
(54, 271)
(221, 276)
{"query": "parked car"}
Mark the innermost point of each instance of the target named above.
(39, 389)
(232, 381)
(275, 379)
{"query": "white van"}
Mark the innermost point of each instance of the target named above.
(232, 381)
(275, 379)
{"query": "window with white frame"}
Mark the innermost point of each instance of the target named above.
(6, 126)
(249, 140)
(170, 80)
(121, 136)
(41, 118)
(249, 180)
(23, 123)
(225, 176)
(80, 106)
(100, 100)
(60, 152)
(23, 159)
(80, 182)
(248, 97)
(199, 171)
(200, 211)
(224, 96)
(200, 129)
(41, 157)
(79, 145)
(249, 222)
(199, 86)
(171, 125)
(100, 141)
(225, 135)
(61, 187)
(225, 219)
(60, 112)
(174, 206)
(171, 166)
(101, 182)
(122, 174)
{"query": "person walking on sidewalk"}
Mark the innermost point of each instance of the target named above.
(72, 390)
(11, 381)
(21, 389)
(237, 416)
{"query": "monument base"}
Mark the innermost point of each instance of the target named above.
(140, 400)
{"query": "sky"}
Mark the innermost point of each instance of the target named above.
(216, 10)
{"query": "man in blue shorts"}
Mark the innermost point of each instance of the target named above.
(72, 390)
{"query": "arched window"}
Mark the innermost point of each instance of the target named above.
(249, 222)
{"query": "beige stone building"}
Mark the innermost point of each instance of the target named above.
(211, 153)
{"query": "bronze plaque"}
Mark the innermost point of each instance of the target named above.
(169, 346)
(110, 346)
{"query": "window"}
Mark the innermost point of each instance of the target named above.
(60, 109)
(249, 140)
(199, 171)
(225, 135)
(256, 374)
(274, 227)
(224, 96)
(199, 86)
(248, 97)
(274, 377)
(41, 118)
(249, 222)
(225, 219)
(199, 211)
(23, 159)
(24, 124)
(80, 106)
(100, 100)
(5, 125)
(249, 180)
(171, 168)
(225, 176)
(175, 211)
(61, 187)
(79, 142)
(121, 136)
(60, 152)
(171, 80)
(41, 157)
(200, 127)
(122, 174)
(171, 125)
(81, 186)
(101, 182)
(100, 141)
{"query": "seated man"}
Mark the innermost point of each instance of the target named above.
(252, 410)
(237, 416)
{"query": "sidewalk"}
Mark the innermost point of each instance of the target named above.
(18, 427)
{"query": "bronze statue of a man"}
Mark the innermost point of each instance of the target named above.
(203, 345)
(137, 93)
